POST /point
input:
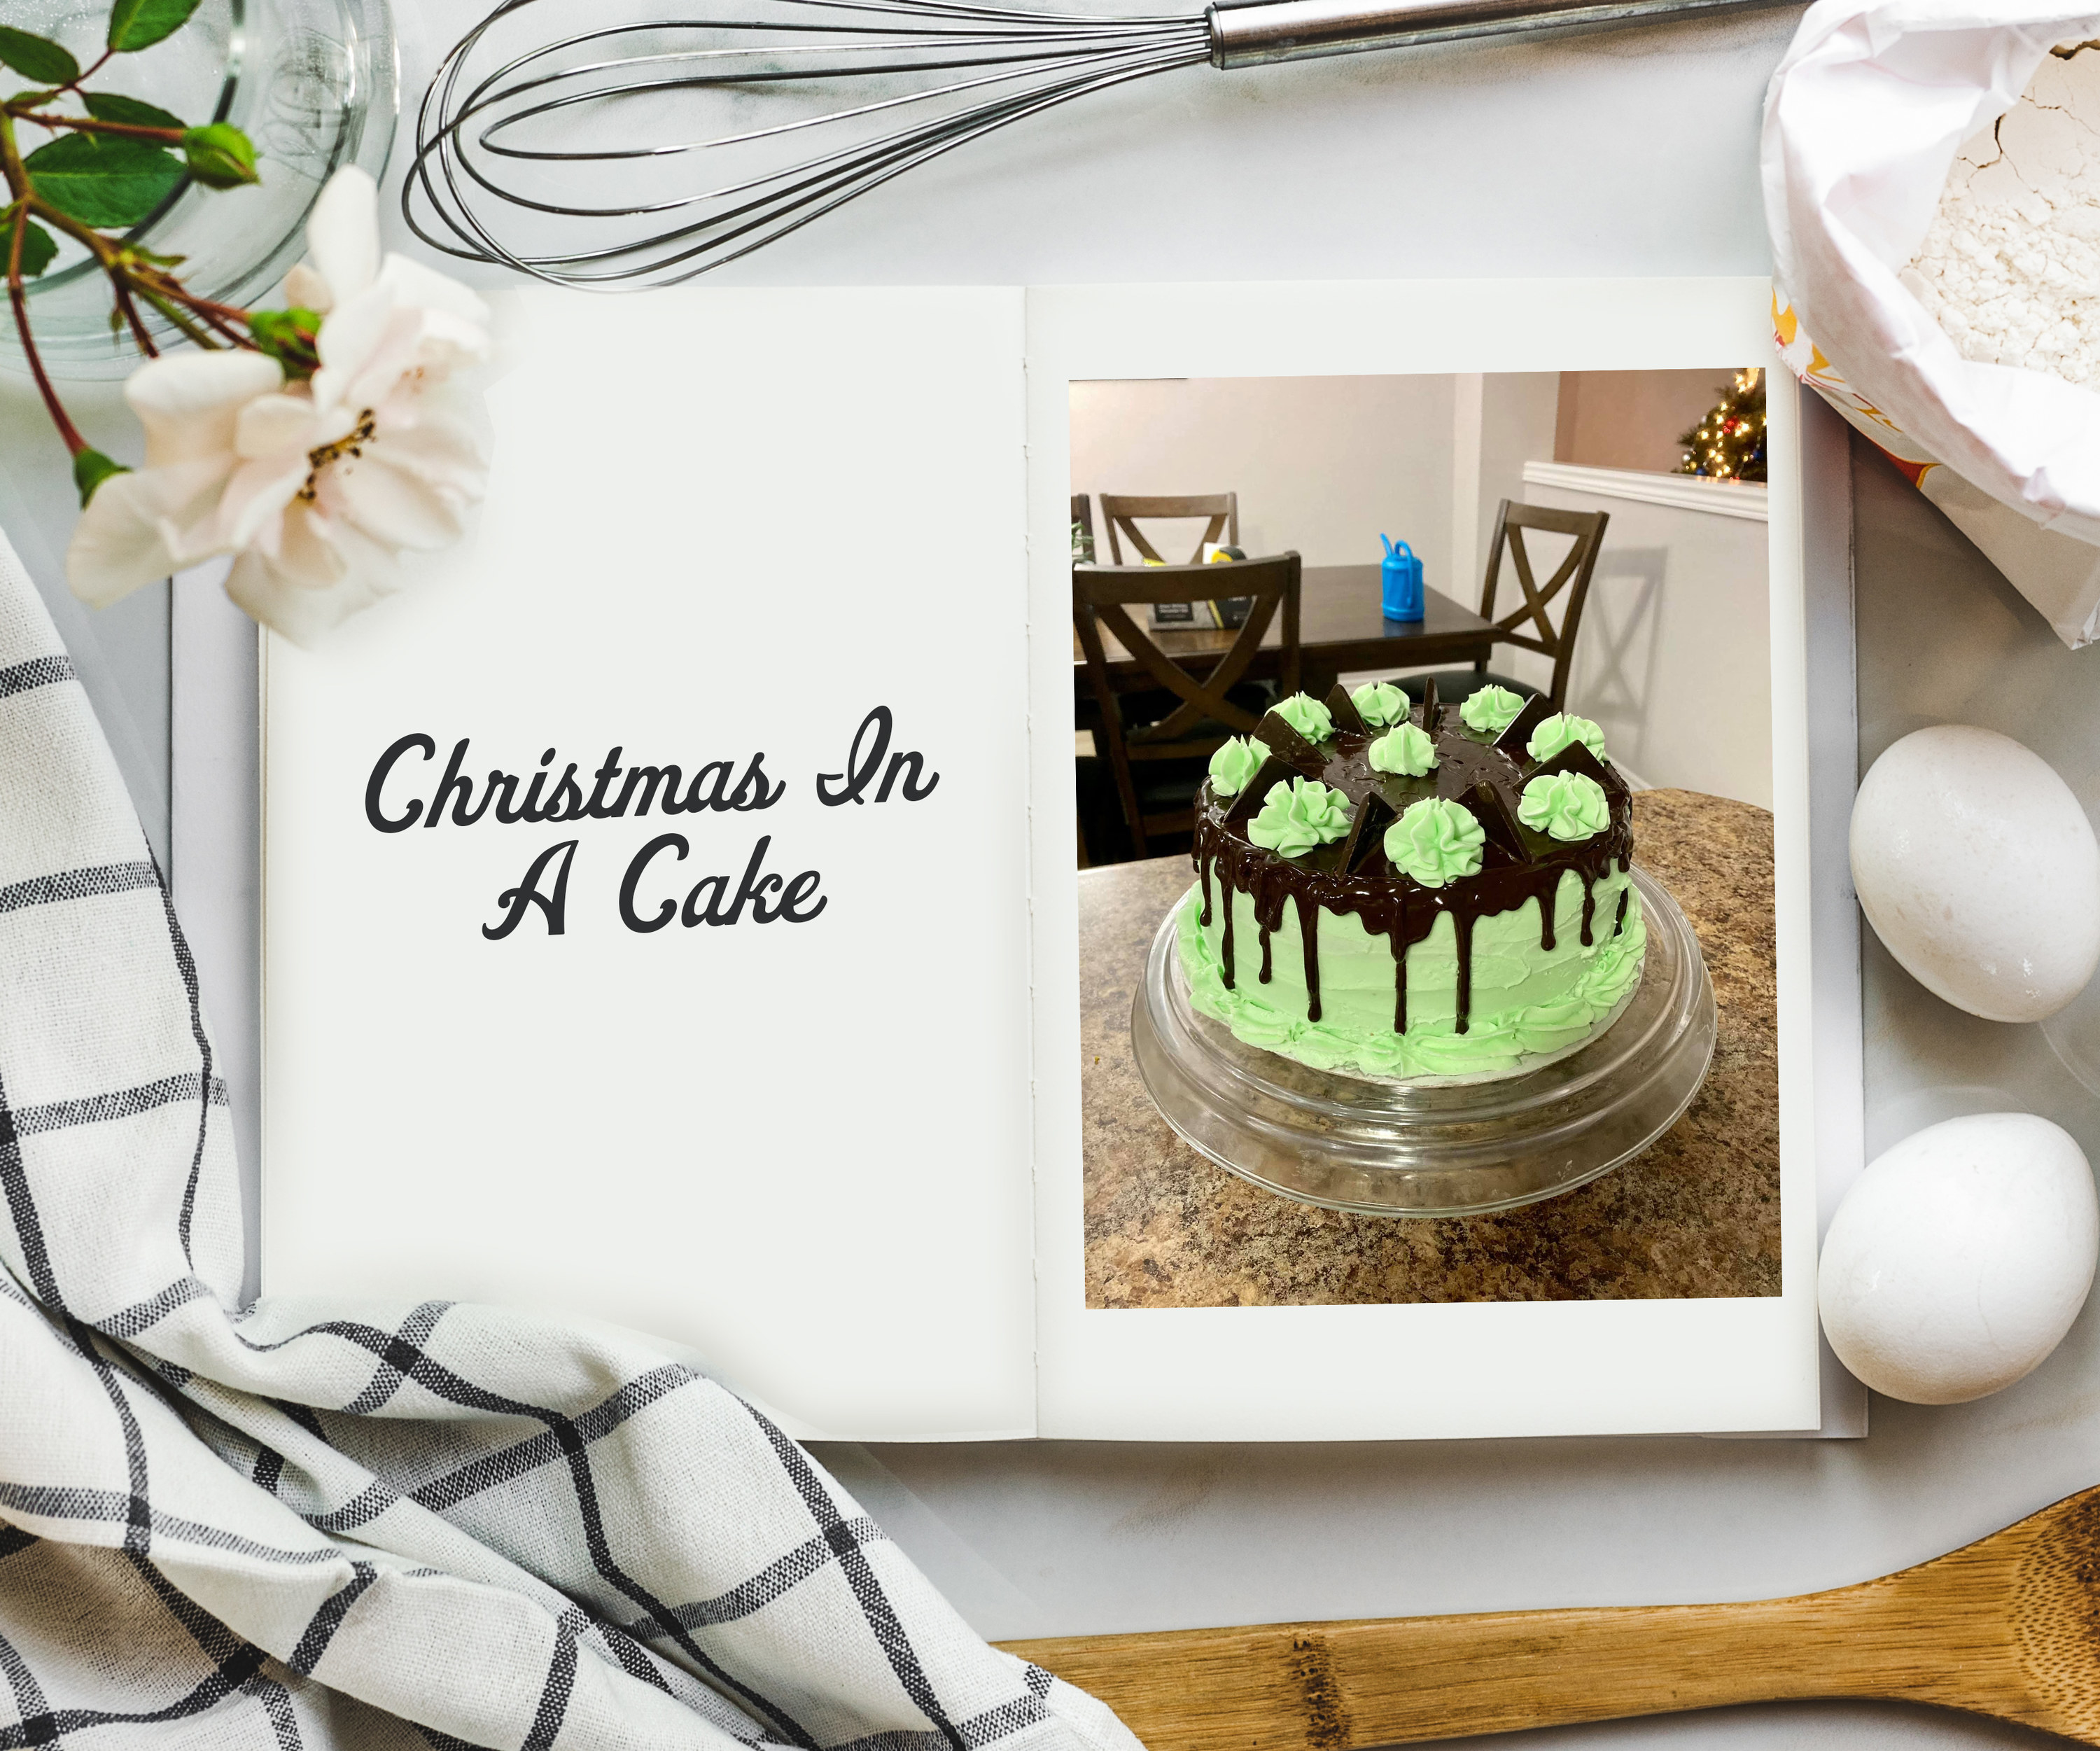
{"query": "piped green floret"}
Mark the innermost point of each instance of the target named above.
(1490, 709)
(1234, 764)
(1406, 751)
(1379, 703)
(1299, 814)
(1307, 717)
(1559, 732)
(1436, 841)
(1570, 806)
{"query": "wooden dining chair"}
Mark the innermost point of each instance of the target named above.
(1120, 510)
(1529, 625)
(1159, 733)
(1083, 528)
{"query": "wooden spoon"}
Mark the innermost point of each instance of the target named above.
(2008, 1626)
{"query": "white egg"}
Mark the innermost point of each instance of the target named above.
(1978, 869)
(1961, 1257)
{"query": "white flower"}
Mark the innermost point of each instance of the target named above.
(315, 487)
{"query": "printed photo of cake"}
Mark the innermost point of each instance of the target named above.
(1423, 782)
(1398, 889)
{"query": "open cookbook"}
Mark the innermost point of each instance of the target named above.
(673, 909)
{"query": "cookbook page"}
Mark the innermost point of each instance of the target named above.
(1179, 1300)
(644, 888)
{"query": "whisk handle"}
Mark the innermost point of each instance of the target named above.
(1249, 32)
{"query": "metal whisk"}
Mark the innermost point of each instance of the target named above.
(643, 153)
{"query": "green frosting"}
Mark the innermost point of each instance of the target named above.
(1435, 841)
(1567, 805)
(1299, 814)
(1525, 999)
(1379, 703)
(1406, 751)
(1307, 717)
(1235, 763)
(1490, 709)
(1555, 734)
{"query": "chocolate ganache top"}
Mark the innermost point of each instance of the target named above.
(1482, 773)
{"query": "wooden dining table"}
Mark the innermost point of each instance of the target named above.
(1342, 631)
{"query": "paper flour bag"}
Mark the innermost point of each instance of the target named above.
(1959, 366)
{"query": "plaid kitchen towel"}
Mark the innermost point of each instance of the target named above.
(357, 1524)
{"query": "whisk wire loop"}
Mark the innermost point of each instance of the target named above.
(461, 198)
(513, 160)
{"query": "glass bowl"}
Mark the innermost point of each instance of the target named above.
(1434, 1147)
(312, 82)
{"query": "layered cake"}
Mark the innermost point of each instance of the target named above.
(1399, 888)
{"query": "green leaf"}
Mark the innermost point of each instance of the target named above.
(219, 156)
(112, 106)
(90, 468)
(38, 247)
(37, 58)
(107, 183)
(140, 24)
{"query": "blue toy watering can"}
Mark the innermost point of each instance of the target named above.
(1401, 582)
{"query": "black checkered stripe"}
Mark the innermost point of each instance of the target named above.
(900, 1674)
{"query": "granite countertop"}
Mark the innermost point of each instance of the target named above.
(1695, 1214)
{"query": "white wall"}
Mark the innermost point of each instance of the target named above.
(1674, 656)
(1322, 465)
(1517, 413)
(1632, 419)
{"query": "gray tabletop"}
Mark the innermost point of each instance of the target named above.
(1627, 154)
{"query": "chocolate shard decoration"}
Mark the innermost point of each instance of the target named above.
(1432, 706)
(1493, 811)
(1536, 711)
(1374, 815)
(1277, 735)
(1344, 710)
(1272, 773)
(1576, 758)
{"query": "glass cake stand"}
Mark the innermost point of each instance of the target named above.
(1432, 1147)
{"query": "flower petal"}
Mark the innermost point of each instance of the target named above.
(188, 401)
(324, 575)
(343, 233)
(256, 495)
(139, 527)
(366, 339)
(304, 290)
(270, 423)
(456, 312)
(438, 445)
(389, 500)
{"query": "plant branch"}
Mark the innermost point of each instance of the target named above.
(98, 245)
(68, 431)
(215, 315)
(129, 310)
(163, 291)
(215, 323)
(86, 124)
(191, 332)
(73, 84)
(203, 305)
(10, 159)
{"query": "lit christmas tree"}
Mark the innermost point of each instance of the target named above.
(1729, 444)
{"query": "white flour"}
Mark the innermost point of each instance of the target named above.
(2010, 265)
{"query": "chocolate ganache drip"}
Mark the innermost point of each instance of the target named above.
(1484, 773)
